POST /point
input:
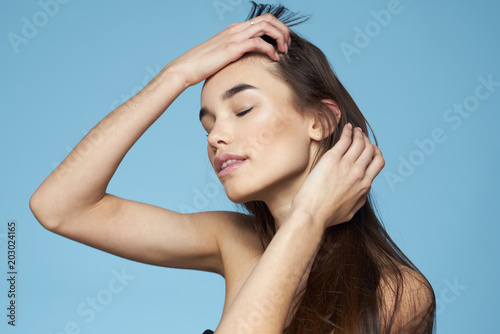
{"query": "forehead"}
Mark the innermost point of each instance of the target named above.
(253, 69)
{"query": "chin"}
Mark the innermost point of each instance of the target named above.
(239, 198)
(240, 193)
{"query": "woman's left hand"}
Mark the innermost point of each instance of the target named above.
(338, 185)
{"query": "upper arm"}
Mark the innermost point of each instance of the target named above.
(412, 307)
(152, 235)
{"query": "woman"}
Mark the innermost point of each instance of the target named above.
(288, 143)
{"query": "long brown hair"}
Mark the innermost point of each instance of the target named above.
(358, 267)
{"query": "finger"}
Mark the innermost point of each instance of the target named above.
(266, 28)
(276, 22)
(260, 45)
(367, 154)
(375, 166)
(341, 146)
(356, 148)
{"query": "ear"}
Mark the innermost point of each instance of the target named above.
(318, 121)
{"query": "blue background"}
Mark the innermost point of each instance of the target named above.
(90, 56)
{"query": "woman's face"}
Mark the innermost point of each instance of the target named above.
(272, 136)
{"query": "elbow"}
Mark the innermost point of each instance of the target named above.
(42, 209)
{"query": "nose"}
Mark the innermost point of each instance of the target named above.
(220, 135)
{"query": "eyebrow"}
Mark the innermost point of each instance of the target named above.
(229, 94)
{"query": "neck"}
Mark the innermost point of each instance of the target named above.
(280, 199)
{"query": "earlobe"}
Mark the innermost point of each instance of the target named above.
(318, 122)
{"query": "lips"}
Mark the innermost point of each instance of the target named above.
(230, 167)
(219, 160)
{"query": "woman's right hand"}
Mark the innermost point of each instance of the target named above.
(339, 183)
(205, 59)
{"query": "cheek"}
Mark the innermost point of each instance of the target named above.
(290, 149)
(268, 128)
(284, 150)
(282, 160)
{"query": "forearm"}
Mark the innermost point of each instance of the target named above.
(263, 303)
(80, 181)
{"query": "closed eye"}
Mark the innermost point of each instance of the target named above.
(244, 112)
(239, 115)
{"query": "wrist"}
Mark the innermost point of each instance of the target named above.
(305, 218)
(171, 74)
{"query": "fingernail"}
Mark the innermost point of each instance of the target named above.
(349, 125)
(277, 56)
(289, 40)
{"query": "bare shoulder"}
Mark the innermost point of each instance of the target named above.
(236, 238)
(240, 249)
(407, 298)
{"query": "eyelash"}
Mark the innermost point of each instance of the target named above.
(239, 115)
(244, 112)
